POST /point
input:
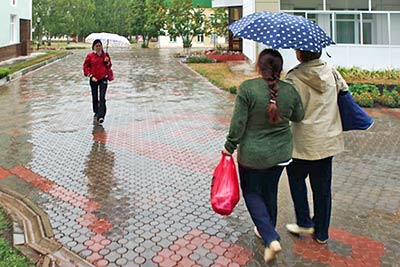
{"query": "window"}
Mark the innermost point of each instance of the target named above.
(395, 29)
(200, 38)
(302, 4)
(13, 29)
(347, 5)
(386, 5)
(347, 29)
(367, 28)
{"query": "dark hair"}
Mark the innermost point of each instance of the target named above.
(306, 56)
(95, 42)
(269, 66)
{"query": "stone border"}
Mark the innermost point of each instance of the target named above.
(37, 231)
(20, 73)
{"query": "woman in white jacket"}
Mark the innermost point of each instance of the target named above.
(317, 138)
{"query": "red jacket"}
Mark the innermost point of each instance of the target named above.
(94, 65)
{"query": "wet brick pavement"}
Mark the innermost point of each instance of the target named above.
(135, 192)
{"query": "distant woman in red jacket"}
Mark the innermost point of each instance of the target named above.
(97, 66)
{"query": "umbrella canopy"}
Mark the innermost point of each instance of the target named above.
(281, 30)
(111, 39)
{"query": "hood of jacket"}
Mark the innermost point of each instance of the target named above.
(316, 74)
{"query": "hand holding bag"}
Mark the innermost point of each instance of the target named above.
(225, 186)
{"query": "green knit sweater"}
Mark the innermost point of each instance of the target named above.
(261, 144)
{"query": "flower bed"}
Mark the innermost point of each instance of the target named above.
(223, 55)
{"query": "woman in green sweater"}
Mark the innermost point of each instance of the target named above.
(260, 130)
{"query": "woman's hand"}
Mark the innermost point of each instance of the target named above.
(106, 60)
(225, 152)
(94, 79)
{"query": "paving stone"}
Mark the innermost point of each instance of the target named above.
(125, 192)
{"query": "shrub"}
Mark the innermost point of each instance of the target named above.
(75, 47)
(4, 72)
(364, 99)
(200, 60)
(390, 99)
(357, 89)
(233, 89)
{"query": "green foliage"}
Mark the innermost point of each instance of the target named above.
(4, 72)
(185, 21)
(201, 59)
(233, 90)
(364, 99)
(147, 18)
(357, 89)
(218, 23)
(367, 94)
(356, 73)
(390, 99)
(9, 257)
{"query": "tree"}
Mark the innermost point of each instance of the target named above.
(147, 18)
(218, 24)
(185, 21)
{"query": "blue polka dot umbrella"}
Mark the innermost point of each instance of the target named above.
(281, 30)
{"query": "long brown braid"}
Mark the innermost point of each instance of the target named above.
(269, 66)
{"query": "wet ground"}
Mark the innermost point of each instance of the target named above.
(135, 191)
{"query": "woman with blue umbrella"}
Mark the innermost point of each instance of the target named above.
(318, 137)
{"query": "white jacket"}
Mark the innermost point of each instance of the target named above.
(319, 134)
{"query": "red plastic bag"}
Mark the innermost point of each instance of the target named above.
(225, 187)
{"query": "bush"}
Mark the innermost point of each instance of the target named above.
(364, 99)
(75, 47)
(200, 60)
(233, 90)
(357, 89)
(390, 99)
(4, 72)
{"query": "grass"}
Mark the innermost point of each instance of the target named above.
(220, 75)
(9, 257)
(32, 61)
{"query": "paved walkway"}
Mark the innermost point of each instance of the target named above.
(135, 192)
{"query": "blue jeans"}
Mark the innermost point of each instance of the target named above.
(320, 174)
(99, 102)
(260, 189)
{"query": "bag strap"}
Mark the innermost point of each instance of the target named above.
(341, 84)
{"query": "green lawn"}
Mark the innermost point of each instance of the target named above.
(9, 257)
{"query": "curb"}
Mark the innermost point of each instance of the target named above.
(37, 233)
(20, 73)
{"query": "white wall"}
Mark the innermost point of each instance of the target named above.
(370, 57)
(22, 10)
(226, 3)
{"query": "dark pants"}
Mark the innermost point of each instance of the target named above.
(99, 101)
(320, 174)
(260, 189)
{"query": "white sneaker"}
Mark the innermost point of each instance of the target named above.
(271, 251)
(256, 232)
(298, 230)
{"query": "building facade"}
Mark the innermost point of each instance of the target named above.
(365, 31)
(15, 28)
